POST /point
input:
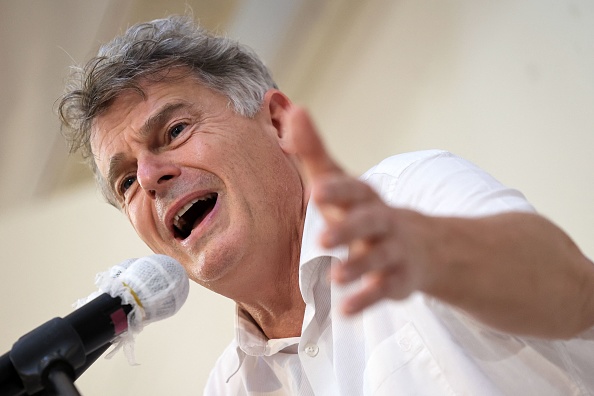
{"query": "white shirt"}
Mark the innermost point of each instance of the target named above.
(418, 346)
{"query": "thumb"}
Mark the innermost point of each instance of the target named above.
(308, 144)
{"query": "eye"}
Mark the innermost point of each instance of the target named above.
(176, 130)
(127, 183)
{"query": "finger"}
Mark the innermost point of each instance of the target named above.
(367, 258)
(376, 286)
(343, 190)
(368, 222)
(308, 144)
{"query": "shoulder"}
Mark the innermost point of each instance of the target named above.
(438, 182)
(399, 163)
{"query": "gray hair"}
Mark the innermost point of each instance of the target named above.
(150, 49)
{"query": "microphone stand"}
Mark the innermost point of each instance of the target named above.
(49, 359)
(61, 382)
(62, 347)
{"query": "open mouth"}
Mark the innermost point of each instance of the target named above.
(190, 216)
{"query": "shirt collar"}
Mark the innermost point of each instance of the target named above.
(311, 250)
(252, 341)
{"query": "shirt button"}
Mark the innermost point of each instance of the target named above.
(311, 350)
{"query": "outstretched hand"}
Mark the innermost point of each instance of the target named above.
(379, 237)
(514, 271)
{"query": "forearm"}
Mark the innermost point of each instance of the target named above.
(516, 272)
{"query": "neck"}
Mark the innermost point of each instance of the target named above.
(284, 324)
(280, 313)
(278, 306)
(273, 299)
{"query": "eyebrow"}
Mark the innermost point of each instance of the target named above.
(156, 121)
(153, 123)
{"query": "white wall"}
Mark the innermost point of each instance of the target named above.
(507, 84)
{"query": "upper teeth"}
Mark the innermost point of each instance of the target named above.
(183, 210)
(187, 206)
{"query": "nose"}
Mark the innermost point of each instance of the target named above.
(154, 174)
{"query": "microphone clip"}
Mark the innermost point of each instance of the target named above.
(53, 346)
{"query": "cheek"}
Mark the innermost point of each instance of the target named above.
(143, 223)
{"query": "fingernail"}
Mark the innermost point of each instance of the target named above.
(348, 308)
(328, 239)
(345, 274)
(331, 239)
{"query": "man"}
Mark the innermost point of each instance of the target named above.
(426, 276)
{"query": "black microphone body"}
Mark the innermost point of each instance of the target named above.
(71, 343)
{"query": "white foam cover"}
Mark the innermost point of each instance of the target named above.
(155, 286)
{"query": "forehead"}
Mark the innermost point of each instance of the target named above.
(132, 107)
(147, 96)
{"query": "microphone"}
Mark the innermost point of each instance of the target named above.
(131, 294)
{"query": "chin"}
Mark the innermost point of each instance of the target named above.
(208, 271)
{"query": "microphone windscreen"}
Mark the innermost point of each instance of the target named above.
(158, 284)
(117, 269)
(154, 286)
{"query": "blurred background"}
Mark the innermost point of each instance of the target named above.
(508, 85)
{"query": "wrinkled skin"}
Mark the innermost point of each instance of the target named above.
(182, 141)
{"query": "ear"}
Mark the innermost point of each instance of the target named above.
(278, 105)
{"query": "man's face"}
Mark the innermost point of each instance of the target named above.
(211, 188)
